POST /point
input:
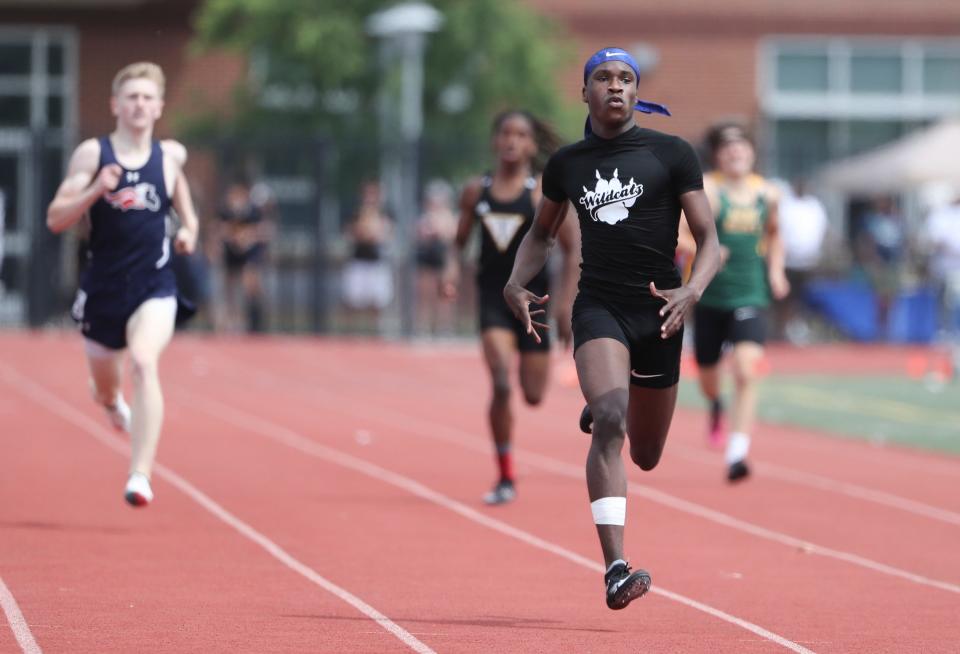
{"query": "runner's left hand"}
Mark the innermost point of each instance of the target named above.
(679, 301)
(779, 286)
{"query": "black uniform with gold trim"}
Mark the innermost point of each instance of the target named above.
(503, 226)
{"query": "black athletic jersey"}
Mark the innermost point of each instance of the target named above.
(627, 194)
(503, 226)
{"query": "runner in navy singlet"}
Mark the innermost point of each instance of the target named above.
(127, 182)
(629, 186)
(504, 203)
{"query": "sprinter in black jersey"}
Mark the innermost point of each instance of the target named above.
(504, 203)
(629, 186)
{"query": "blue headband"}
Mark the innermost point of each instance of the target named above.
(619, 54)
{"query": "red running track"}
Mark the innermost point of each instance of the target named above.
(322, 496)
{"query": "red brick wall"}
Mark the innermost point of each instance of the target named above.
(108, 39)
(709, 52)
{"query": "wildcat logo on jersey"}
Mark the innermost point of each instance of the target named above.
(141, 196)
(609, 200)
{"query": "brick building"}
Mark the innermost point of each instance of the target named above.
(820, 79)
(57, 60)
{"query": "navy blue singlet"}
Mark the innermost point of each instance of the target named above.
(128, 258)
(128, 240)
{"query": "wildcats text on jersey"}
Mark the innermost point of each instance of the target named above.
(610, 199)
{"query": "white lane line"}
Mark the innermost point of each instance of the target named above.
(54, 404)
(811, 480)
(420, 427)
(275, 432)
(727, 520)
(819, 482)
(19, 626)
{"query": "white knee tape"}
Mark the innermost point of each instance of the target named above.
(609, 511)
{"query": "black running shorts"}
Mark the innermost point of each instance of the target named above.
(714, 327)
(654, 361)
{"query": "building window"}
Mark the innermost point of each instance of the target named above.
(876, 73)
(941, 74)
(802, 72)
(828, 98)
(38, 74)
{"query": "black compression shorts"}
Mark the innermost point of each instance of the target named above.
(654, 361)
(714, 327)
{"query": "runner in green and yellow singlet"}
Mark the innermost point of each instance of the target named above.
(733, 308)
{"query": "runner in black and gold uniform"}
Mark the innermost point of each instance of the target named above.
(504, 203)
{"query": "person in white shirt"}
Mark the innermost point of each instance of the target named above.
(803, 226)
(943, 240)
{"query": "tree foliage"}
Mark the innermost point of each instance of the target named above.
(487, 56)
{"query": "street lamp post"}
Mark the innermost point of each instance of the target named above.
(402, 31)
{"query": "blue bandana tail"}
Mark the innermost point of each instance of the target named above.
(651, 108)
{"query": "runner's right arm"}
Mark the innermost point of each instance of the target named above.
(450, 279)
(81, 187)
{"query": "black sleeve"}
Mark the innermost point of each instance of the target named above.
(552, 181)
(684, 167)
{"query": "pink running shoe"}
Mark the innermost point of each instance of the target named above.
(717, 435)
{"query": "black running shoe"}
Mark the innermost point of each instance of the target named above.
(738, 471)
(624, 586)
(586, 420)
(502, 493)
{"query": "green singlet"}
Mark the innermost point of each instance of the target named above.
(742, 282)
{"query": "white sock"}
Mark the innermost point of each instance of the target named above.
(737, 447)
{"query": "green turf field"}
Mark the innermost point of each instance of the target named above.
(877, 408)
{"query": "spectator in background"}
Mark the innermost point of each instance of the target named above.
(3, 227)
(803, 226)
(436, 230)
(367, 277)
(942, 235)
(247, 223)
(881, 247)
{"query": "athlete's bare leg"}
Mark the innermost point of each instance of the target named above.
(709, 378)
(534, 375)
(746, 357)
(499, 350)
(648, 423)
(106, 378)
(149, 330)
(603, 367)
(106, 372)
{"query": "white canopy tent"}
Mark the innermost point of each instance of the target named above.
(923, 158)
